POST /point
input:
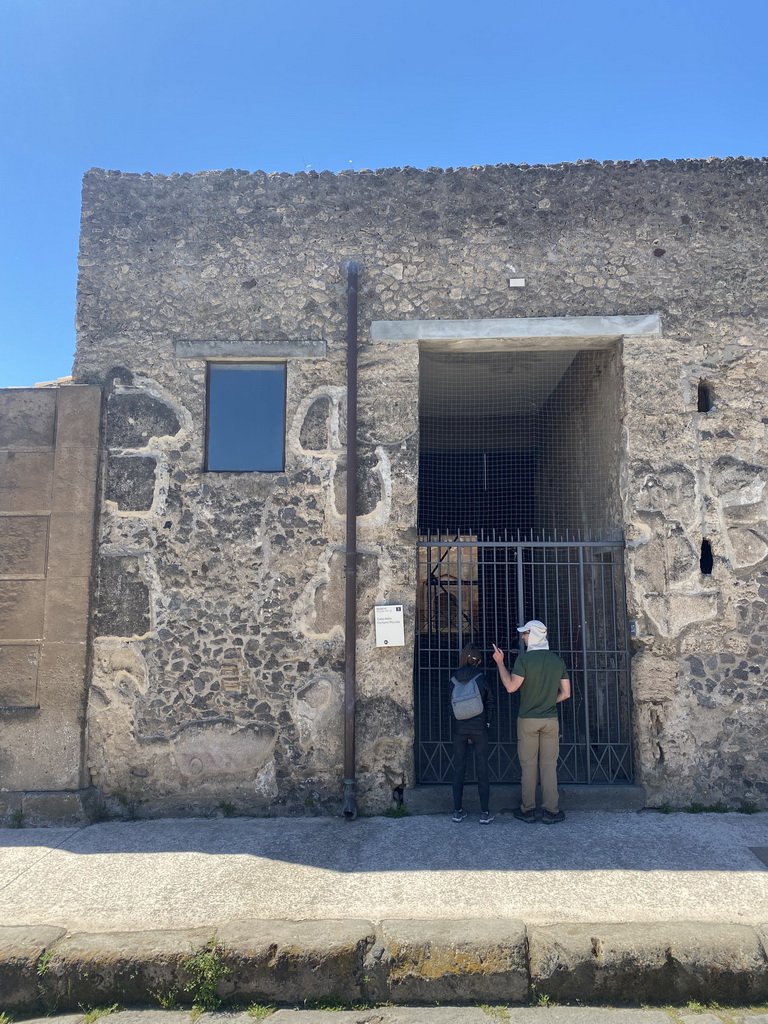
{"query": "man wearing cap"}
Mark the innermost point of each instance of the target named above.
(543, 677)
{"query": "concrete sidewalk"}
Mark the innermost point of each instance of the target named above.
(426, 908)
(437, 1015)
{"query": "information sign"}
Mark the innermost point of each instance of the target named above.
(390, 631)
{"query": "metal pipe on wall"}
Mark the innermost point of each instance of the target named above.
(349, 808)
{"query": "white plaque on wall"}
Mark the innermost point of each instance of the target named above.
(390, 631)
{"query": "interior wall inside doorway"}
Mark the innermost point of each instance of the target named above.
(522, 441)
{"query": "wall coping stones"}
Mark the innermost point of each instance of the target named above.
(681, 164)
(559, 331)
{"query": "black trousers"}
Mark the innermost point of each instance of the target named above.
(480, 745)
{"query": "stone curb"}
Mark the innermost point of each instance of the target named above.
(402, 962)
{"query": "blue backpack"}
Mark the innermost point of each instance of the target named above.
(465, 699)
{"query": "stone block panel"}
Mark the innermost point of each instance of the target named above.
(20, 950)
(21, 609)
(70, 548)
(66, 609)
(672, 963)
(216, 748)
(77, 416)
(74, 484)
(23, 546)
(456, 961)
(27, 418)
(134, 417)
(26, 481)
(41, 750)
(61, 676)
(131, 482)
(18, 675)
(266, 956)
(123, 607)
(315, 433)
(85, 969)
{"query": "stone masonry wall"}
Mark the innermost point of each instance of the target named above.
(49, 446)
(218, 654)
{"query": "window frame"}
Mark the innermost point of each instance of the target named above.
(209, 367)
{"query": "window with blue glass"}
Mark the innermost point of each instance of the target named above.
(246, 417)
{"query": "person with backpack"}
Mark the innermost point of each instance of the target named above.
(472, 703)
(543, 677)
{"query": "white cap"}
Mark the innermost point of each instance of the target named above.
(532, 624)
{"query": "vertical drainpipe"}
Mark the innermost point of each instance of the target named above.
(349, 808)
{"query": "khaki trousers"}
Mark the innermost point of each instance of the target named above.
(538, 746)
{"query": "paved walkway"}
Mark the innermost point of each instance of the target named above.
(602, 908)
(438, 1015)
(608, 867)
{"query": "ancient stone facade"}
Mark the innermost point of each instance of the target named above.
(218, 645)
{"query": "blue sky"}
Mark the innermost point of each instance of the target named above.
(188, 85)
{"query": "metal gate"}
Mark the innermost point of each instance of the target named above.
(478, 589)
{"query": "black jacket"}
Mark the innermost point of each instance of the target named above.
(486, 692)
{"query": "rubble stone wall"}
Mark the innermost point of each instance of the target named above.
(218, 650)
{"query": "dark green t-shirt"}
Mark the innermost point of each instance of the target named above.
(542, 671)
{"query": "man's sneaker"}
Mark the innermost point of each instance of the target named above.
(549, 818)
(459, 815)
(527, 816)
(486, 818)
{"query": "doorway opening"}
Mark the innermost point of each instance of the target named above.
(519, 518)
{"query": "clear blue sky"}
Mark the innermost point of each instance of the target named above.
(189, 85)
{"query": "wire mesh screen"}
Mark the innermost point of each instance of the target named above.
(519, 518)
(481, 589)
(524, 441)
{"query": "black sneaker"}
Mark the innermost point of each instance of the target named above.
(549, 818)
(527, 816)
(459, 815)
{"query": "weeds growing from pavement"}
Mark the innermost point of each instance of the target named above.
(500, 1013)
(102, 1011)
(206, 968)
(43, 961)
(333, 1002)
(540, 998)
(259, 1011)
(167, 1000)
(398, 811)
(748, 807)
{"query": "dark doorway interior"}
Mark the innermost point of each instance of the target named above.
(519, 517)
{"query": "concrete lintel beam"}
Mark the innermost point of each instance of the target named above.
(217, 349)
(521, 333)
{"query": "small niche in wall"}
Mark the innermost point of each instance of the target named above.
(705, 402)
(706, 561)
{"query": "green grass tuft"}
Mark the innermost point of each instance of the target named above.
(397, 811)
(101, 1011)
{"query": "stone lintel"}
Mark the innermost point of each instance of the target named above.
(247, 349)
(557, 332)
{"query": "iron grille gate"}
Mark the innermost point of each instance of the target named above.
(480, 590)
